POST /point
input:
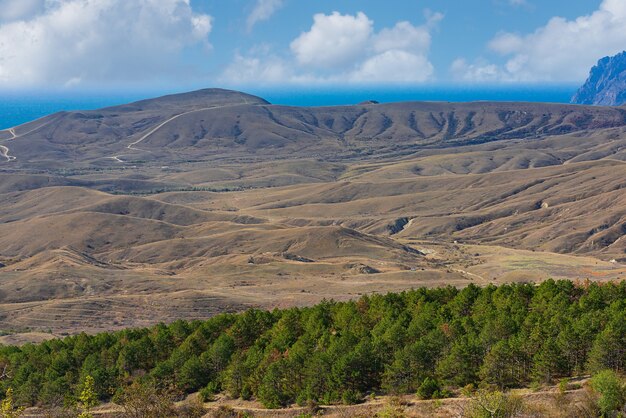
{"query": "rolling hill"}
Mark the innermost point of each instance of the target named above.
(217, 124)
(187, 205)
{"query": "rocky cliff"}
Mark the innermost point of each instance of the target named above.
(606, 84)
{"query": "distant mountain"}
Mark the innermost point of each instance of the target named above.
(215, 124)
(606, 84)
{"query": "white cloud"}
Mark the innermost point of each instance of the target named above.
(334, 40)
(266, 70)
(263, 10)
(343, 48)
(401, 54)
(478, 72)
(562, 50)
(202, 26)
(19, 9)
(393, 66)
(506, 43)
(69, 42)
(402, 36)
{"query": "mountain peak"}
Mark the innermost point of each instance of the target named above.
(606, 84)
(198, 98)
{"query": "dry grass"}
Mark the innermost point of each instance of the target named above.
(444, 194)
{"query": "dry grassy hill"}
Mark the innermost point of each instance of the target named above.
(214, 200)
(213, 123)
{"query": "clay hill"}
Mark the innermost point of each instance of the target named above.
(189, 205)
(606, 84)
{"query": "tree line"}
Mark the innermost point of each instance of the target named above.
(424, 341)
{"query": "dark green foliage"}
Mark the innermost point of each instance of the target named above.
(207, 394)
(429, 389)
(506, 364)
(425, 341)
(609, 347)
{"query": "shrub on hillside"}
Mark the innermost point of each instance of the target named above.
(611, 393)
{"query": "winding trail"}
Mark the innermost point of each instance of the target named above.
(469, 274)
(131, 146)
(143, 138)
(4, 151)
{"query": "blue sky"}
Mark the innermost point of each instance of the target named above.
(465, 30)
(124, 44)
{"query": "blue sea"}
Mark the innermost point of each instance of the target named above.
(18, 108)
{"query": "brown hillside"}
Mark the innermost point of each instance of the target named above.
(189, 205)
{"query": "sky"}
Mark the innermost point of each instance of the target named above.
(141, 44)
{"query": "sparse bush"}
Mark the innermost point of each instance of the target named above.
(59, 412)
(396, 401)
(611, 392)
(224, 412)
(227, 412)
(312, 407)
(468, 390)
(147, 401)
(431, 389)
(393, 409)
(486, 404)
(8, 409)
(88, 398)
(390, 411)
(560, 396)
(207, 393)
(351, 397)
(588, 407)
(193, 408)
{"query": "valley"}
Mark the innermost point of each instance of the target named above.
(215, 201)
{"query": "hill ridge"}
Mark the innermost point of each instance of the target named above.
(215, 124)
